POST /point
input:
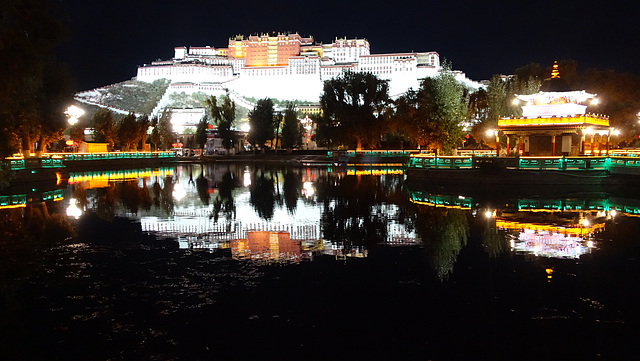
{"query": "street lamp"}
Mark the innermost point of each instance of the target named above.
(74, 113)
(494, 132)
(612, 131)
(306, 123)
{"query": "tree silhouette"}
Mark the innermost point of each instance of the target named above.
(292, 188)
(291, 129)
(224, 202)
(35, 88)
(353, 108)
(262, 194)
(262, 122)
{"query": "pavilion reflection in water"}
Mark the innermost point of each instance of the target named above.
(554, 227)
(554, 241)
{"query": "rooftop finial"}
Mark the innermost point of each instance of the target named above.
(555, 73)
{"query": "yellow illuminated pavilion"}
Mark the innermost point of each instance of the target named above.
(555, 122)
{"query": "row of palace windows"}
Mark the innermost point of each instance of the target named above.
(186, 70)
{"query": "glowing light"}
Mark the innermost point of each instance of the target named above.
(74, 113)
(515, 101)
(245, 127)
(489, 213)
(615, 131)
(307, 190)
(588, 130)
(590, 244)
(594, 101)
(179, 192)
(613, 213)
(73, 210)
(585, 222)
(246, 178)
(491, 132)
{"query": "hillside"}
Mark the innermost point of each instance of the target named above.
(142, 97)
(128, 96)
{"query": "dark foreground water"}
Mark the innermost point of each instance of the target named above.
(235, 262)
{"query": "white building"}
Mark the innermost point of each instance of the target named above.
(298, 77)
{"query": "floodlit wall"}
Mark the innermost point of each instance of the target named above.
(288, 67)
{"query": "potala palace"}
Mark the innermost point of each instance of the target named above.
(288, 67)
(285, 66)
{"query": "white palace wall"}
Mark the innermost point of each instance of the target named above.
(301, 79)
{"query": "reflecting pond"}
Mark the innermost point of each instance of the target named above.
(245, 261)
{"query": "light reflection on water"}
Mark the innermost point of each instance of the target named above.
(197, 261)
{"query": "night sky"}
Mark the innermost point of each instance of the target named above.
(109, 39)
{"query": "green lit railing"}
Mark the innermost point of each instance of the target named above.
(56, 160)
(564, 204)
(16, 164)
(441, 162)
(547, 163)
(47, 161)
(373, 153)
(116, 155)
(21, 200)
(440, 200)
(14, 200)
(622, 206)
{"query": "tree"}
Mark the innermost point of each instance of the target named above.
(127, 132)
(201, 133)
(434, 114)
(478, 105)
(103, 125)
(76, 131)
(143, 124)
(404, 119)
(353, 107)
(619, 95)
(444, 103)
(292, 129)
(165, 130)
(154, 137)
(223, 117)
(278, 119)
(262, 123)
(35, 89)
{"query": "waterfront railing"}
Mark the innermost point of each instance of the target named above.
(548, 163)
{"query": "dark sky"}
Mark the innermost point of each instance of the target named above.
(109, 39)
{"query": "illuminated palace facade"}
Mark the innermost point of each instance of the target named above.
(288, 66)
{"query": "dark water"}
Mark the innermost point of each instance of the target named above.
(235, 262)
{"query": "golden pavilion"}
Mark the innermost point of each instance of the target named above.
(555, 122)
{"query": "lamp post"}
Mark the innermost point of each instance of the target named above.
(589, 132)
(494, 132)
(306, 123)
(74, 113)
(612, 131)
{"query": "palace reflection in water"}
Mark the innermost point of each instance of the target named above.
(226, 229)
(290, 214)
